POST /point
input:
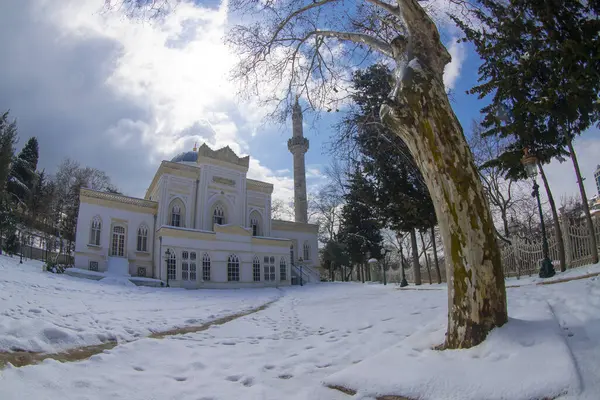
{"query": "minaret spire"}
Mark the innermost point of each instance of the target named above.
(298, 146)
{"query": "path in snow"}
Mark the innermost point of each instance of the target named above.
(277, 353)
(283, 352)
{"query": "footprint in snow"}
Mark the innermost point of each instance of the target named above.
(180, 378)
(285, 376)
(139, 369)
(268, 366)
(248, 381)
(233, 378)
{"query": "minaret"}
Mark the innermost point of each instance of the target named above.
(298, 145)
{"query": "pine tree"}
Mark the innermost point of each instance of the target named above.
(23, 173)
(8, 138)
(540, 64)
(401, 197)
(360, 229)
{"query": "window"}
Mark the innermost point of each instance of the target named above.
(254, 225)
(93, 266)
(269, 268)
(219, 215)
(282, 270)
(206, 267)
(96, 229)
(141, 271)
(306, 251)
(171, 264)
(192, 266)
(292, 255)
(176, 216)
(185, 266)
(256, 269)
(118, 241)
(142, 238)
(233, 268)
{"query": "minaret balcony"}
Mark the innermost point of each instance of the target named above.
(298, 143)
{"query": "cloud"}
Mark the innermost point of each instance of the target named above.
(121, 95)
(452, 70)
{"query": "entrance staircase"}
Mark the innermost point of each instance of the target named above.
(309, 275)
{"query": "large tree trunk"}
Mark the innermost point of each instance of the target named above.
(415, 257)
(584, 201)
(419, 112)
(435, 255)
(560, 244)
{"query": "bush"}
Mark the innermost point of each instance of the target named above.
(55, 268)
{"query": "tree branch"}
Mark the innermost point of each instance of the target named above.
(358, 38)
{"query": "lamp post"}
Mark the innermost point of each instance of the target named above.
(300, 261)
(530, 162)
(403, 282)
(167, 257)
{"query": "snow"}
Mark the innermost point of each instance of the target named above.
(370, 338)
(45, 312)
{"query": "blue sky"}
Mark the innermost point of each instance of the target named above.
(121, 96)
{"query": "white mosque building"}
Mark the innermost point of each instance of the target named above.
(201, 224)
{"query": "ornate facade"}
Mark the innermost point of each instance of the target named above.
(202, 223)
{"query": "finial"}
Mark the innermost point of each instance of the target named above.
(195, 146)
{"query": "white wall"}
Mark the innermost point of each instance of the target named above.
(298, 239)
(110, 216)
(219, 251)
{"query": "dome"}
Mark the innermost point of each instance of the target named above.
(187, 156)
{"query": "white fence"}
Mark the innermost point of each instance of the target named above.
(523, 256)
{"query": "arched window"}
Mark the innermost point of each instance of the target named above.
(118, 241)
(142, 238)
(282, 270)
(306, 251)
(206, 267)
(269, 268)
(256, 269)
(233, 268)
(176, 215)
(185, 266)
(256, 223)
(292, 255)
(171, 264)
(96, 229)
(219, 215)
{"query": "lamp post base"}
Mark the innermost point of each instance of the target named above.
(547, 270)
(403, 283)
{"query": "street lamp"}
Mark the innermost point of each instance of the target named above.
(167, 257)
(530, 163)
(300, 261)
(403, 282)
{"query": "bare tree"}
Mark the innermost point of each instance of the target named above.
(309, 47)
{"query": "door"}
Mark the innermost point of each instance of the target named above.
(118, 242)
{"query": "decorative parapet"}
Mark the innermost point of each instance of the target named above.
(282, 225)
(259, 186)
(117, 198)
(223, 154)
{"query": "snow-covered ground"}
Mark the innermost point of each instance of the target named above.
(40, 311)
(369, 338)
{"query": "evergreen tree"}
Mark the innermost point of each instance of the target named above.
(23, 173)
(401, 197)
(360, 229)
(540, 64)
(8, 138)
